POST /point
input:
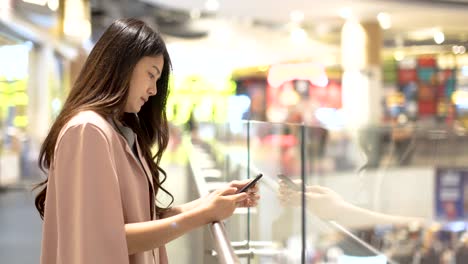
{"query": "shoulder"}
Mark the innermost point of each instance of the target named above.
(90, 118)
(89, 121)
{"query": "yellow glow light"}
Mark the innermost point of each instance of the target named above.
(399, 55)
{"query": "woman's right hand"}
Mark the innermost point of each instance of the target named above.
(220, 204)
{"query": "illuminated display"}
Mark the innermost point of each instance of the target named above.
(13, 85)
(282, 73)
(209, 102)
(302, 87)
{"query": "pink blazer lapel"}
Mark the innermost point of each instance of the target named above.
(143, 162)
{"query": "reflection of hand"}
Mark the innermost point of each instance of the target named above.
(329, 205)
(321, 201)
(252, 192)
(288, 196)
(324, 202)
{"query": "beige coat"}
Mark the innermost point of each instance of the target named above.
(96, 186)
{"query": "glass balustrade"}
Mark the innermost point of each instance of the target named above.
(339, 195)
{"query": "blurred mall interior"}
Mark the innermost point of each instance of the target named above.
(366, 98)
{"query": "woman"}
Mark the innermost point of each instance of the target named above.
(99, 201)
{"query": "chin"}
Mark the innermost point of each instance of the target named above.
(132, 111)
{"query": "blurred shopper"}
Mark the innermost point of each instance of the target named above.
(430, 251)
(461, 252)
(102, 178)
(192, 127)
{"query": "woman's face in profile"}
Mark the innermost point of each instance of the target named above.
(143, 82)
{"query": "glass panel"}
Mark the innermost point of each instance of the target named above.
(394, 193)
(338, 190)
(275, 225)
(227, 145)
(235, 156)
(373, 194)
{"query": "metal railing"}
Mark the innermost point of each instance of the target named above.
(223, 248)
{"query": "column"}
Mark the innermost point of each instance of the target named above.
(38, 90)
(362, 98)
(361, 45)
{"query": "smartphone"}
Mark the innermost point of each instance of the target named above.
(290, 183)
(250, 184)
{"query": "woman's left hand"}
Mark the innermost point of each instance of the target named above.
(253, 198)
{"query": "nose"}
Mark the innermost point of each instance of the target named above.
(152, 90)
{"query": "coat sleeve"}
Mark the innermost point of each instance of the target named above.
(90, 222)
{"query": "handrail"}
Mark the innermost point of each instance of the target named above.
(359, 241)
(222, 244)
(223, 247)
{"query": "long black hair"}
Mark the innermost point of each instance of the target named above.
(102, 86)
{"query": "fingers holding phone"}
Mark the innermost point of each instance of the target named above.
(240, 184)
(221, 203)
(250, 184)
(251, 188)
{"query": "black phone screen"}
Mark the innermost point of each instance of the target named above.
(250, 184)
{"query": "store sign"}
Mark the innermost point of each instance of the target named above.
(281, 73)
(451, 193)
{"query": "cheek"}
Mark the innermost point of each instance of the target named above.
(136, 85)
(133, 93)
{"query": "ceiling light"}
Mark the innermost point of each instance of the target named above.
(462, 49)
(346, 13)
(458, 49)
(36, 2)
(439, 37)
(384, 20)
(5, 9)
(212, 5)
(53, 4)
(296, 16)
(298, 35)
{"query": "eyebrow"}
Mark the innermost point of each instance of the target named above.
(154, 66)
